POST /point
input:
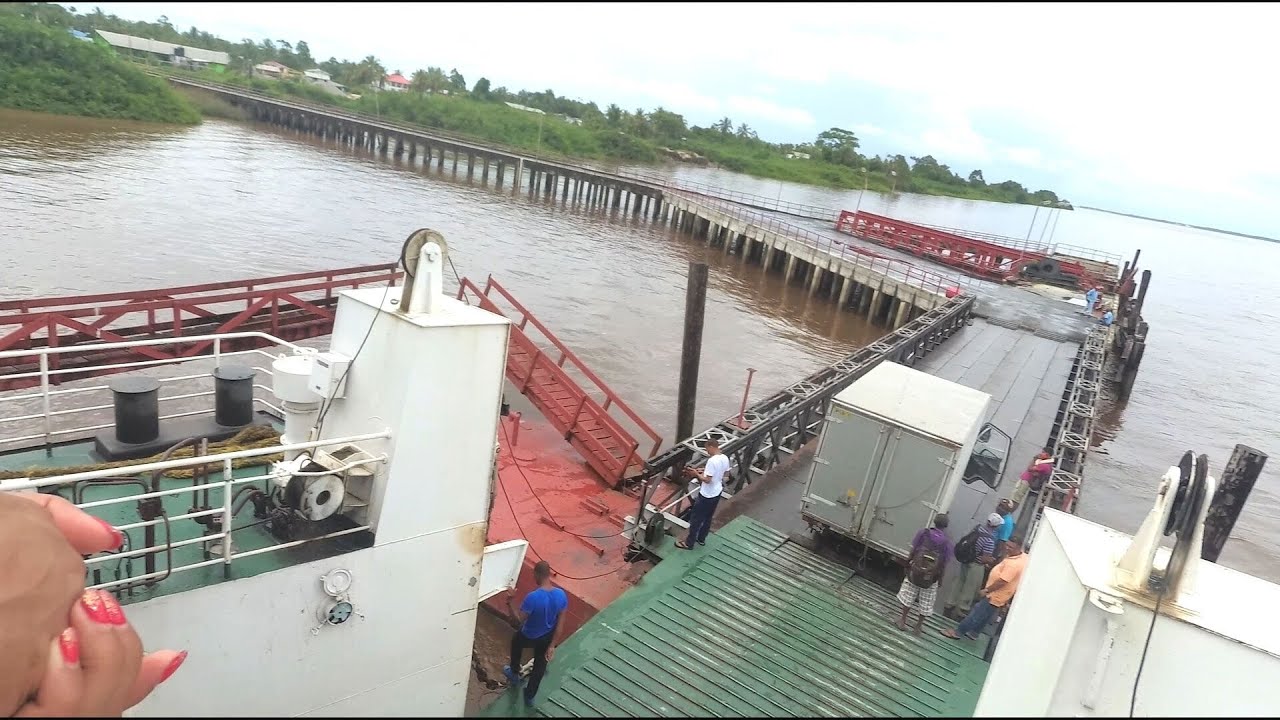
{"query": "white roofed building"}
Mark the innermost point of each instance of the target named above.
(183, 55)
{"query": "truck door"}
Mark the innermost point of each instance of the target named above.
(843, 465)
(908, 485)
(983, 475)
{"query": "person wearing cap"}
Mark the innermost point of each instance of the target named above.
(965, 588)
(1091, 299)
(1033, 477)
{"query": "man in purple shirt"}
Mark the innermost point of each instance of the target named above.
(930, 550)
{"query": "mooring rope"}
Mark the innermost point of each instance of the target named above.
(253, 437)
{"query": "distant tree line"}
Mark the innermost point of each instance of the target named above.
(630, 135)
(45, 69)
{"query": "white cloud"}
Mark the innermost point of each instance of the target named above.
(757, 109)
(868, 130)
(1027, 157)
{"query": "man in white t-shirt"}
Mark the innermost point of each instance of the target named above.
(707, 497)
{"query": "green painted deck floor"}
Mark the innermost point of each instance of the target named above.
(754, 625)
(248, 533)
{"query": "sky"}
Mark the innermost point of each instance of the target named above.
(1152, 109)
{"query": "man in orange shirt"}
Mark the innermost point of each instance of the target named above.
(997, 595)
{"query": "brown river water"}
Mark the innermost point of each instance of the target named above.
(96, 206)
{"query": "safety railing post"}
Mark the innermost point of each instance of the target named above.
(44, 401)
(227, 477)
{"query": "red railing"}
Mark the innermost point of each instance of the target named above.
(990, 256)
(541, 374)
(978, 257)
(290, 307)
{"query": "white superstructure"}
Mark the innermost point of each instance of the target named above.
(400, 449)
(1080, 624)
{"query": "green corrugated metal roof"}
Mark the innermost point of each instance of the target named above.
(754, 625)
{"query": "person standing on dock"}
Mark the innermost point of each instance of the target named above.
(975, 552)
(1091, 299)
(1033, 477)
(996, 596)
(1005, 510)
(708, 495)
(539, 618)
(930, 550)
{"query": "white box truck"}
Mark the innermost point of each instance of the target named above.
(898, 447)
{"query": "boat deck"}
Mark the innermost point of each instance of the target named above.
(544, 482)
(753, 625)
(179, 538)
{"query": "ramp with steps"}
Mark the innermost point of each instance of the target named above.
(594, 420)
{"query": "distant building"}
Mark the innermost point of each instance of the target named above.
(525, 108)
(570, 120)
(395, 82)
(331, 87)
(79, 35)
(318, 75)
(273, 69)
(179, 55)
(797, 156)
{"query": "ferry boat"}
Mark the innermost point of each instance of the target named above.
(320, 546)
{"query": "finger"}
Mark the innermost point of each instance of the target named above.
(62, 686)
(85, 532)
(131, 646)
(156, 668)
(99, 621)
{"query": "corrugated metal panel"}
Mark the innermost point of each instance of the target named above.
(754, 625)
(164, 48)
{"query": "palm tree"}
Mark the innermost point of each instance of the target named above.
(368, 71)
(436, 79)
(419, 81)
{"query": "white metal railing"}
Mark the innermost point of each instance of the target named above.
(47, 395)
(228, 484)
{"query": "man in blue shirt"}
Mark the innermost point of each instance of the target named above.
(1091, 299)
(539, 618)
(1005, 510)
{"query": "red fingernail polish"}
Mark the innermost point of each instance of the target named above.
(102, 607)
(174, 665)
(70, 646)
(119, 536)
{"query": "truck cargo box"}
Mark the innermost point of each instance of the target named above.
(894, 449)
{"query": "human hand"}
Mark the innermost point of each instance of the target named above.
(551, 652)
(42, 539)
(95, 668)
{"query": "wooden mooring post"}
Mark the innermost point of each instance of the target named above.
(1234, 486)
(695, 303)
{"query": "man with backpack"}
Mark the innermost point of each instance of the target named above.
(930, 550)
(975, 552)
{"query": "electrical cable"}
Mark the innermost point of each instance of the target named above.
(455, 270)
(391, 281)
(560, 525)
(1133, 698)
(516, 517)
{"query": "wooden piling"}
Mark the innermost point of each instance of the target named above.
(695, 303)
(1234, 486)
